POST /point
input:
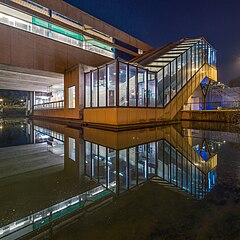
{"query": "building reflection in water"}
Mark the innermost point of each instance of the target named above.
(121, 170)
(117, 162)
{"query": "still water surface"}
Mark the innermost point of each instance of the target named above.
(50, 172)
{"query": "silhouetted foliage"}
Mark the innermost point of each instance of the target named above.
(234, 82)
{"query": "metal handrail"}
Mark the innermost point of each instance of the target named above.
(50, 105)
(216, 105)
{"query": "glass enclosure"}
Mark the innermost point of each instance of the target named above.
(122, 84)
(121, 170)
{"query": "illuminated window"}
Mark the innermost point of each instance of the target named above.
(71, 97)
(123, 84)
(111, 68)
(87, 90)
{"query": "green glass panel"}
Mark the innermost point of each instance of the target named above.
(66, 32)
(100, 45)
(41, 223)
(99, 196)
(57, 29)
(67, 211)
(40, 22)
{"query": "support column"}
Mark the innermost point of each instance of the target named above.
(74, 77)
(30, 105)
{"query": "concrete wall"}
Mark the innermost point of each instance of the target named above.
(48, 113)
(27, 50)
(123, 116)
(87, 20)
(72, 78)
(84, 18)
(229, 116)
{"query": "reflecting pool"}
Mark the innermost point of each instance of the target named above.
(51, 174)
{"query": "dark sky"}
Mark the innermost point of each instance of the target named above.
(158, 22)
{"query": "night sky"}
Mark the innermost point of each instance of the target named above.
(158, 22)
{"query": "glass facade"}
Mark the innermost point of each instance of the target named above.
(121, 170)
(122, 84)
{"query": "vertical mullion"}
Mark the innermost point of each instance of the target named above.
(117, 83)
(187, 162)
(163, 91)
(199, 54)
(190, 64)
(106, 90)
(170, 161)
(85, 157)
(136, 84)
(136, 163)
(98, 87)
(156, 90)
(207, 53)
(182, 171)
(127, 76)
(176, 77)
(117, 172)
(177, 168)
(98, 165)
(107, 168)
(91, 162)
(195, 182)
(148, 145)
(195, 58)
(128, 165)
(90, 88)
(170, 77)
(146, 101)
(84, 91)
(156, 158)
(164, 159)
(181, 57)
(191, 178)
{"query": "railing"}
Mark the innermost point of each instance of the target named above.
(50, 133)
(124, 84)
(35, 221)
(49, 33)
(212, 105)
(50, 105)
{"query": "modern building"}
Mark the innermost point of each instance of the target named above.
(80, 68)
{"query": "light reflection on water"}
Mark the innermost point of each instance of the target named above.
(60, 170)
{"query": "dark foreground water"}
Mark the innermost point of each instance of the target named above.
(171, 182)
